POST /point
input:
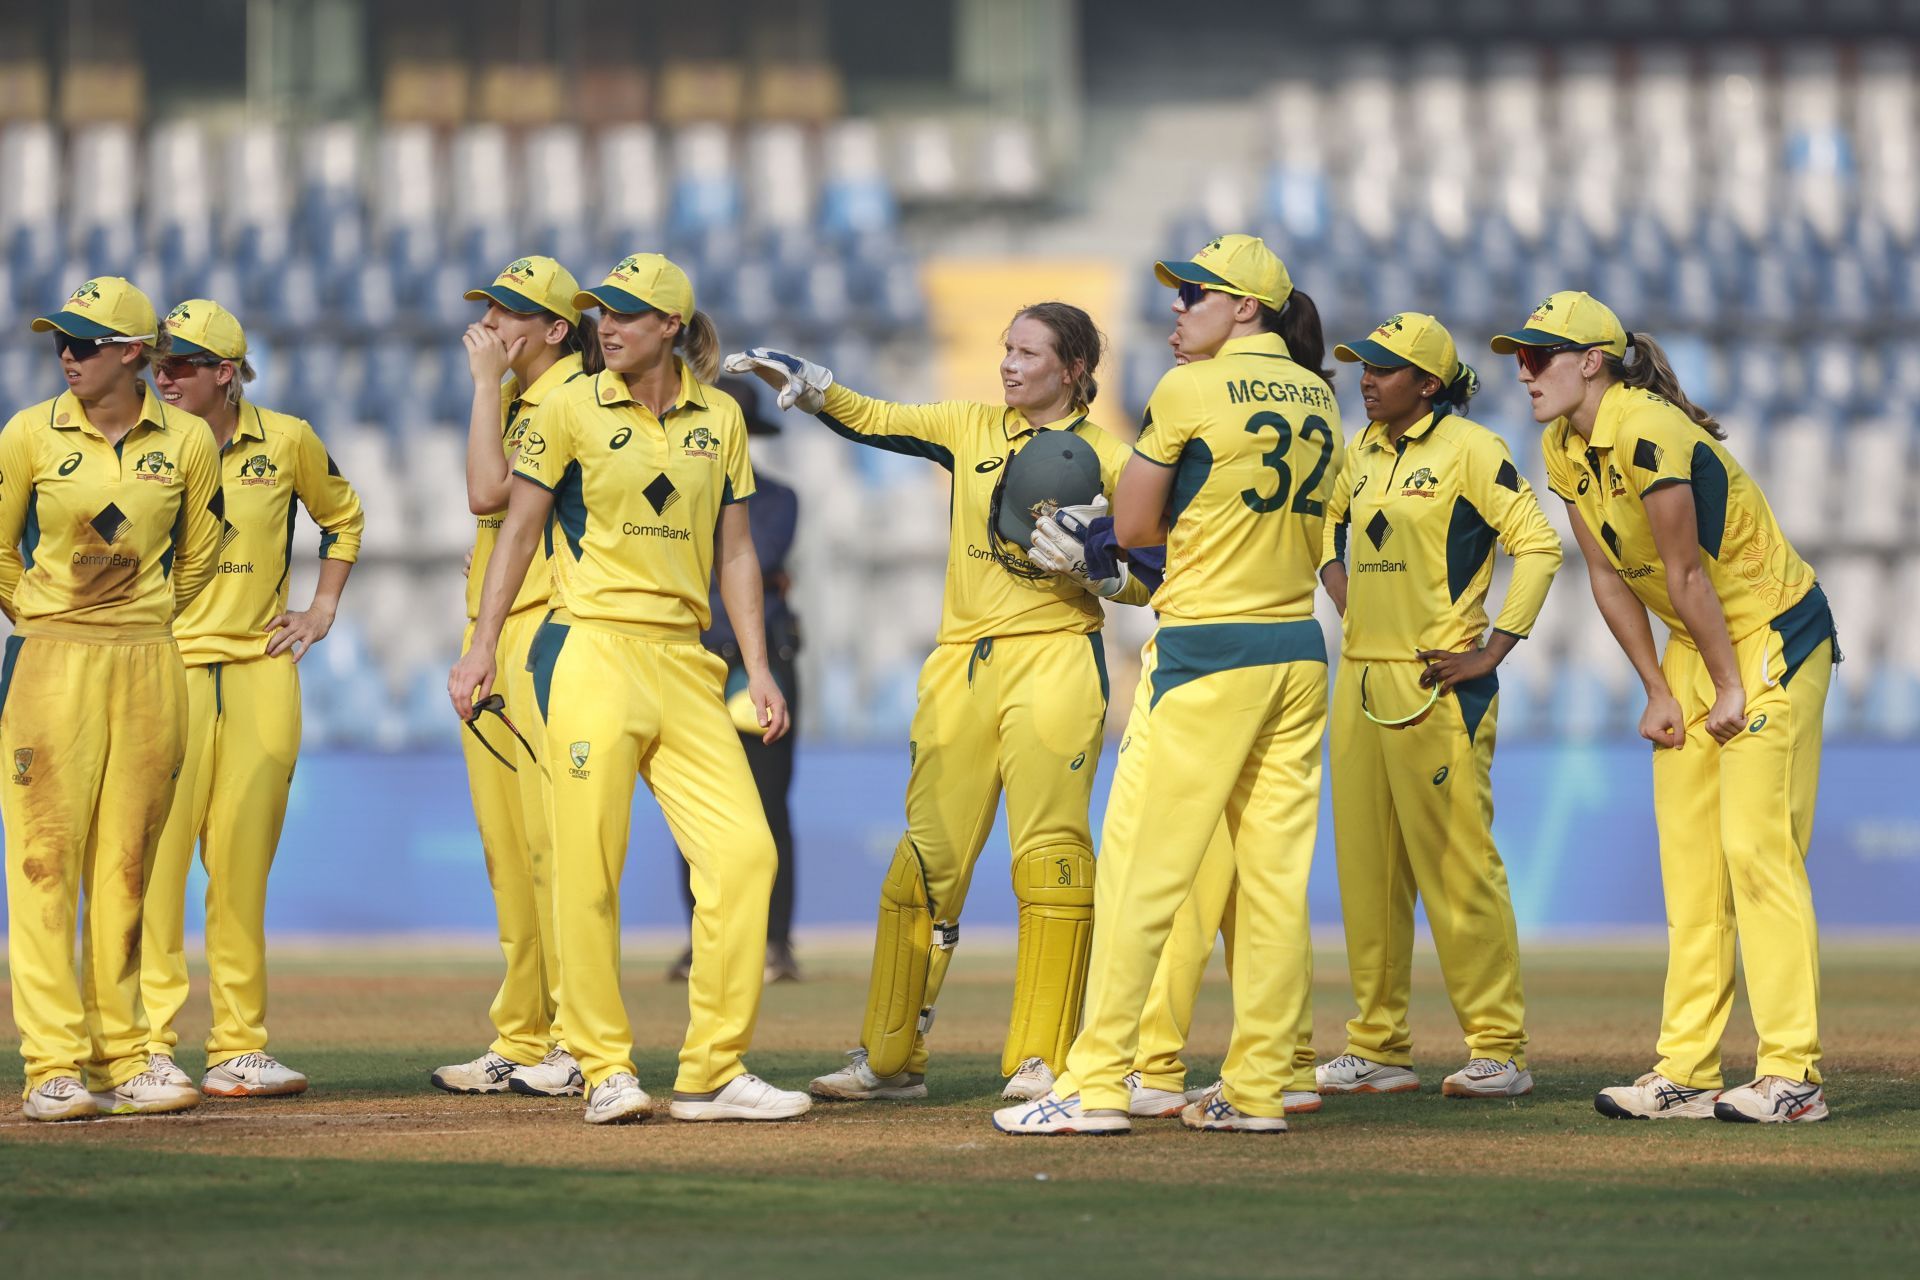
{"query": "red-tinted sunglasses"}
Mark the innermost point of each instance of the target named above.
(180, 366)
(1535, 359)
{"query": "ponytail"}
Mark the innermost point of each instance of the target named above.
(1650, 371)
(700, 344)
(1454, 396)
(1298, 324)
(583, 339)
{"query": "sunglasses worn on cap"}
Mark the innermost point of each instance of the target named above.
(87, 348)
(178, 366)
(1534, 359)
(498, 706)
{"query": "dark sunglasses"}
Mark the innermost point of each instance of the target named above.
(1191, 293)
(498, 706)
(174, 366)
(85, 348)
(1534, 359)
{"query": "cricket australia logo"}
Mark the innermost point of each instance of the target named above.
(577, 752)
(1542, 311)
(22, 766)
(626, 267)
(1422, 484)
(1394, 324)
(701, 443)
(1616, 482)
(86, 295)
(259, 469)
(178, 314)
(154, 466)
(521, 269)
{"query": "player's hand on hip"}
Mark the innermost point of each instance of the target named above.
(1447, 668)
(298, 632)
(770, 705)
(1728, 716)
(801, 383)
(470, 681)
(488, 356)
(1662, 723)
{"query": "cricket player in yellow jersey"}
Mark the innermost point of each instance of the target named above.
(531, 341)
(1424, 495)
(1013, 695)
(1669, 522)
(240, 644)
(110, 525)
(643, 468)
(1232, 471)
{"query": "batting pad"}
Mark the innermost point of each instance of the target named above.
(903, 946)
(1054, 887)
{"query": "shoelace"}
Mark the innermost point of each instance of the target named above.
(251, 1061)
(61, 1087)
(1485, 1067)
(1031, 1067)
(1352, 1060)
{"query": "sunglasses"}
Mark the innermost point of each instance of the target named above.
(1534, 359)
(87, 348)
(178, 366)
(497, 704)
(1191, 293)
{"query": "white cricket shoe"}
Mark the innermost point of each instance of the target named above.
(60, 1098)
(745, 1097)
(1488, 1078)
(1051, 1116)
(1654, 1097)
(147, 1094)
(488, 1073)
(1030, 1080)
(1149, 1103)
(856, 1082)
(1214, 1114)
(1299, 1102)
(1772, 1100)
(555, 1076)
(167, 1069)
(252, 1075)
(618, 1099)
(1351, 1073)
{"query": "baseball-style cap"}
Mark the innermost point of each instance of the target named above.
(1410, 338)
(103, 307)
(201, 326)
(642, 282)
(1234, 263)
(532, 285)
(1568, 316)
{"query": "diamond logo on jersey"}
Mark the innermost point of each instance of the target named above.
(701, 443)
(228, 532)
(1422, 484)
(22, 762)
(661, 494)
(1379, 530)
(110, 523)
(259, 469)
(154, 466)
(1611, 538)
(578, 752)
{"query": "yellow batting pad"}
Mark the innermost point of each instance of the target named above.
(897, 1008)
(1054, 887)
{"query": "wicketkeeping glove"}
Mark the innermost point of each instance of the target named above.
(802, 382)
(1059, 546)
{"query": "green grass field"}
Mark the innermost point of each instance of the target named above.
(374, 1172)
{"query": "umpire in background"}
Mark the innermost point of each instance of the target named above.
(774, 513)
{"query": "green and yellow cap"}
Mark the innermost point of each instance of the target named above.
(532, 285)
(642, 282)
(201, 326)
(1237, 264)
(1410, 338)
(103, 307)
(1567, 317)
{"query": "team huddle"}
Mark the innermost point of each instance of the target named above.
(609, 477)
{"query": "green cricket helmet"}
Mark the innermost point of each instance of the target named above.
(1055, 469)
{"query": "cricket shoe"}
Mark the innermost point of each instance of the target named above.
(745, 1097)
(1488, 1078)
(856, 1082)
(146, 1094)
(1149, 1103)
(618, 1099)
(555, 1076)
(1212, 1113)
(167, 1069)
(1773, 1100)
(60, 1098)
(1351, 1073)
(1654, 1097)
(1031, 1080)
(252, 1075)
(1298, 1102)
(488, 1073)
(1051, 1116)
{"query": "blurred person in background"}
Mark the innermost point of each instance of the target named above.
(530, 341)
(111, 518)
(774, 514)
(1669, 522)
(241, 646)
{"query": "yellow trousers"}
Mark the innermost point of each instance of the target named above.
(92, 735)
(510, 809)
(243, 736)
(1168, 1017)
(1021, 712)
(1228, 720)
(1735, 822)
(1413, 816)
(617, 707)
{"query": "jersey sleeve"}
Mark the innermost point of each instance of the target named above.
(1339, 504)
(1173, 413)
(16, 493)
(1560, 477)
(739, 484)
(546, 450)
(932, 431)
(201, 527)
(328, 497)
(1656, 444)
(1506, 502)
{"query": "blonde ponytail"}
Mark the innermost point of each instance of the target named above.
(1651, 371)
(700, 344)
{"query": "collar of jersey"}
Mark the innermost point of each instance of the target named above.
(1606, 423)
(1257, 344)
(249, 426)
(1010, 417)
(560, 371)
(153, 410)
(690, 393)
(1376, 436)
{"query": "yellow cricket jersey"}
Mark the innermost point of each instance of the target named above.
(516, 411)
(271, 460)
(636, 500)
(1641, 443)
(1416, 521)
(1253, 440)
(973, 442)
(102, 542)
